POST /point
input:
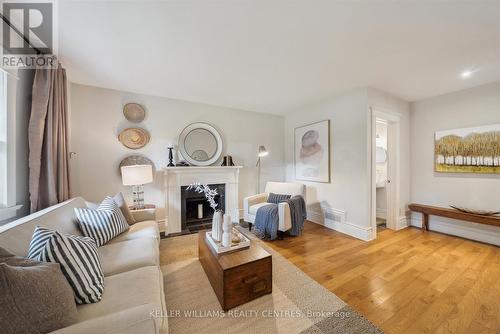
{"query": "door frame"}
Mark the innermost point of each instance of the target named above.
(393, 168)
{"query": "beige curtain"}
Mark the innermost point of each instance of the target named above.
(48, 139)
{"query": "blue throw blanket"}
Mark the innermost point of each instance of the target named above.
(267, 219)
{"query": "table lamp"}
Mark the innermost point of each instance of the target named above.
(137, 176)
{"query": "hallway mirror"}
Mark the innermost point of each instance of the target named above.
(380, 155)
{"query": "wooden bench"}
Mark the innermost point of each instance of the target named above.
(427, 210)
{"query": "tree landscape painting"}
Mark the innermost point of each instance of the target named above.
(468, 150)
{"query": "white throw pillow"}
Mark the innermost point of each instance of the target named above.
(102, 224)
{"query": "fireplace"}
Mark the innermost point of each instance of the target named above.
(196, 213)
(176, 178)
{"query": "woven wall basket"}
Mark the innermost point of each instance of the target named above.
(134, 138)
(134, 112)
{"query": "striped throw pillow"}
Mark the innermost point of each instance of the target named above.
(78, 259)
(277, 198)
(38, 241)
(102, 224)
(80, 265)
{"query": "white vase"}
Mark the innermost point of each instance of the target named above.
(217, 221)
(226, 235)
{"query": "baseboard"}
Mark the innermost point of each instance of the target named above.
(483, 233)
(363, 233)
(402, 223)
(315, 217)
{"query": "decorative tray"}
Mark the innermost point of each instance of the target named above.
(219, 249)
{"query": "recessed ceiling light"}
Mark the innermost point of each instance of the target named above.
(466, 74)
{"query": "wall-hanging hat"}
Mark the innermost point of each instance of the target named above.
(134, 112)
(134, 138)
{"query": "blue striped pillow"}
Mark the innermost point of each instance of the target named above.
(277, 198)
(102, 224)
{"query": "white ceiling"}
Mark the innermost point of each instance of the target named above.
(275, 55)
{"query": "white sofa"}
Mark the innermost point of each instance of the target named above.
(133, 299)
(253, 203)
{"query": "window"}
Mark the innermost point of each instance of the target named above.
(3, 142)
(8, 205)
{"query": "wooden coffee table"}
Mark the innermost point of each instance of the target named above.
(237, 277)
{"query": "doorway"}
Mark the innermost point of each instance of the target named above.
(381, 176)
(385, 139)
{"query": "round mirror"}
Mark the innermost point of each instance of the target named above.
(200, 144)
(380, 155)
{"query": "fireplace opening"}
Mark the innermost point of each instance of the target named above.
(196, 213)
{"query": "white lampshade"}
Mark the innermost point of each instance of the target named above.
(262, 151)
(136, 175)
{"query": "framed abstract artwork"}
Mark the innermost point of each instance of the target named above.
(312, 152)
(468, 150)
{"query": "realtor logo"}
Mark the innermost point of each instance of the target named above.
(28, 35)
(27, 28)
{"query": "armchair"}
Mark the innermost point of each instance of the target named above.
(253, 203)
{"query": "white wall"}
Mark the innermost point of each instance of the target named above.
(96, 119)
(473, 107)
(348, 189)
(350, 148)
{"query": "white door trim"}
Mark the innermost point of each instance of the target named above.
(393, 152)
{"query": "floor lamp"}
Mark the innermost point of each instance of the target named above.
(262, 153)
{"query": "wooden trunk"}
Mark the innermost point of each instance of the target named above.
(238, 277)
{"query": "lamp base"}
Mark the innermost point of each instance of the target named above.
(138, 197)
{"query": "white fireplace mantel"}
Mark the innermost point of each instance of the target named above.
(177, 177)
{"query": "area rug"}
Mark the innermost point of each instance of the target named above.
(297, 304)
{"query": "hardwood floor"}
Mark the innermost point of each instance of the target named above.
(405, 281)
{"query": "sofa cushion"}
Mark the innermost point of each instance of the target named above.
(145, 229)
(102, 224)
(131, 254)
(80, 265)
(253, 209)
(130, 321)
(16, 236)
(142, 286)
(35, 296)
